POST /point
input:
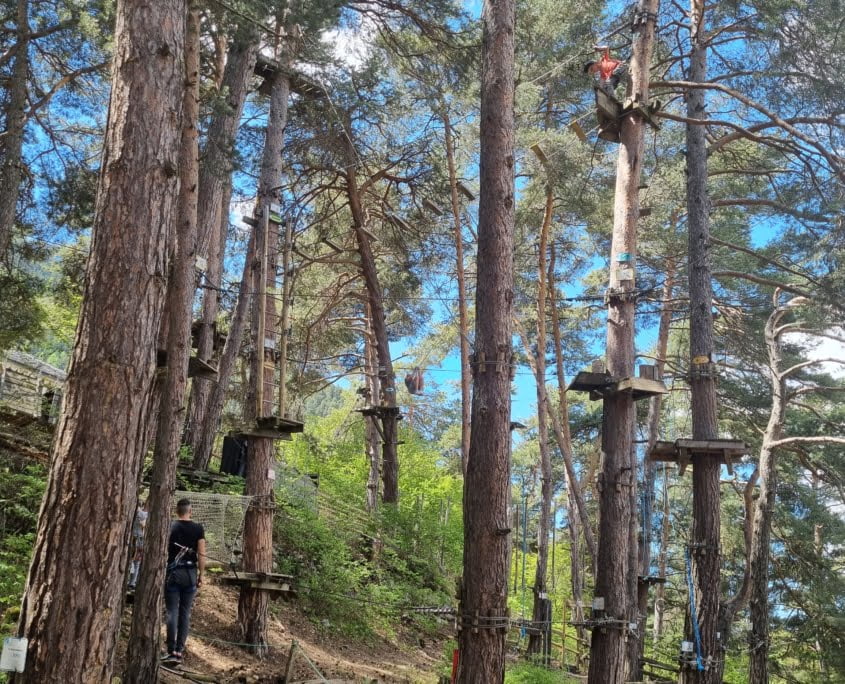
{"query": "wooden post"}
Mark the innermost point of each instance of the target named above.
(611, 656)
(260, 348)
(706, 513)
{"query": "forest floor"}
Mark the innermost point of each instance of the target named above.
(212, 648)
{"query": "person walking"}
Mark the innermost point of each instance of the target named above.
(185, 565)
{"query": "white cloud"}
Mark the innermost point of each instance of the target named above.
(825, 348)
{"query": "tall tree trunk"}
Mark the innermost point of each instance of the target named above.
(616, 576)
(11, 143)
(484, 587)
(237, 326)
(258, 523)
(463, 315)
(371, 436)
(650, 467)
(536, 641)
(660, 593)
(71, 609)
(576, 574)
(758, 665)
(705, 537)
(215, 185)
(560, 421)
(386, 379)
(143, 652)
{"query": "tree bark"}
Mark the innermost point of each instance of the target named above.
(660, 593)
(758, 665)
(143, 650)
(536, 641)
(215, 185)
(258, 523)
(616, 576)
(560, 422)
(71, 608)
(371, 436)
(650, 467)
(463, 315)
(11, 143)
(386, 379)
(704, 551)
(484, 587)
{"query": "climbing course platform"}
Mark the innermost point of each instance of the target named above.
(601, 384)
(273, 583)
(611, 111)
(684, 451)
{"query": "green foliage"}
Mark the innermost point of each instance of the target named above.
(524, 673)
(358, 572)
(19, 309)
(21, 489)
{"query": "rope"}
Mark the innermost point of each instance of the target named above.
(699, 664)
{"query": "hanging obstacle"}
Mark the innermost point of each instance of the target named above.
(684, 451)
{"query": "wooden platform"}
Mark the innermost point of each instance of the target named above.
(271, 582)
(681, 451)
(302, 85)
(378, 410)
(611, 111)
(200, 369)
(273, 427)
(601, 385)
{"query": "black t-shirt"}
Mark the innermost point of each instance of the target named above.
(184, 533)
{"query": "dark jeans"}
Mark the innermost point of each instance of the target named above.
(179, 591)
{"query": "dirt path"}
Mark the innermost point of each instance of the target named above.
(213, 649)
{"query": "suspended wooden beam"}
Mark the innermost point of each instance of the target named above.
(538, 152)
(575, 127)
(432, 207)
(465, 191)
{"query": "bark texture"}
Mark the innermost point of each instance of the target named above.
(71, 609)
(386, 379)
(483, 604)
(215, 186)
(560, 425)
(704, 549)
(611, 657)
(758, 666)
(258, 523)
(650, 467)
(143, 651)
(536, 641)
(204, 442)
(463, 315)
(372, 441)
(11, 143)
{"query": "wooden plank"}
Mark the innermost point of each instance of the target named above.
(465, 191)
(713, 446)
(641, 388)
(575, 127)
(607, 105)
(197, 368)
(587, 381)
